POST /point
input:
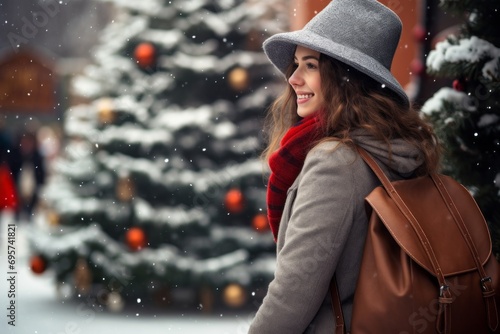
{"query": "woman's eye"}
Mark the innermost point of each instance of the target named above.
(311, 66)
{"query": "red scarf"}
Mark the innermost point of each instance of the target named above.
(286, 164)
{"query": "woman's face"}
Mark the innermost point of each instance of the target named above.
(306, 81)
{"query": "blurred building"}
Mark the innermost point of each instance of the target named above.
(42, 44)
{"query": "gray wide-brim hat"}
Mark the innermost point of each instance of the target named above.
(363, 34)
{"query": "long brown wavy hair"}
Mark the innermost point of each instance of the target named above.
(355, 101)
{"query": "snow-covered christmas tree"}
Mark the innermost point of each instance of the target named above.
(467, 115)
(160, 193)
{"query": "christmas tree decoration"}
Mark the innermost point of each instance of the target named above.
(82, 276)
(234, 295)
(136, 238)
(234, 201)
(467, 116)
(115, 302)
(458, 85)
(53, 217)
(160, 176)
(238, 79)
(419, 33)
(105, 109)
(260, 222)
(145, 55)
(38, 264)
(125, 189)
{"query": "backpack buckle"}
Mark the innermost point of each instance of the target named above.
(483, 281)
(442, 289)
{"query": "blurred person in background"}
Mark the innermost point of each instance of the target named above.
(8, 194)
(28, 170)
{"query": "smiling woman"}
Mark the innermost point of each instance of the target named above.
(340, 95)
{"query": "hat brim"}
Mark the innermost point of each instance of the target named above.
(280, 50)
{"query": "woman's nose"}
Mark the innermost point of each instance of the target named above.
(295, 79)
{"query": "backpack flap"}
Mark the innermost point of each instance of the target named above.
(436, 220)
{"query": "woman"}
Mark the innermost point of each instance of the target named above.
(340, 94)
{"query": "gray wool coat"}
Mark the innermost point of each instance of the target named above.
(322, 231)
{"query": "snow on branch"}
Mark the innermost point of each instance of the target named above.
(460, 100)
(200, 180)
(149, 7)
(111, 257)
(467, 50)
(174, 217)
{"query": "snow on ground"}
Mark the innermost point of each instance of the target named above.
(39, 311)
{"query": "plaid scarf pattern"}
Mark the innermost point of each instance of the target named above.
(286, 164)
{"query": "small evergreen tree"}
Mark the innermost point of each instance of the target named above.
(467, 116)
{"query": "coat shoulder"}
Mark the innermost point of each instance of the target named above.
(333, 152)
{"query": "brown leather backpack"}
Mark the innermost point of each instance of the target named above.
(427, 265)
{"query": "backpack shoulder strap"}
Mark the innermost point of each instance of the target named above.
(486, 280)
(386, 183)
(337, 307)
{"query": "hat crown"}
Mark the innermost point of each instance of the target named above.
(363, 25)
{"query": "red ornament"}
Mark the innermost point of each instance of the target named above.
(458, 85)
(417, 67)
(260, 222)
(145, 55)
(135, 238)
(419, 33)
(234, 201)
(38, 264)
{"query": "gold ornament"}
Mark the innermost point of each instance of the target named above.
(82, 276)
(125, 189)
(53, 218)
(115, 302)
(235, 295)
(105, 109)
(238, 78)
